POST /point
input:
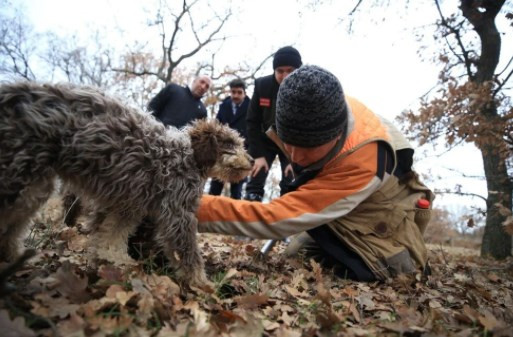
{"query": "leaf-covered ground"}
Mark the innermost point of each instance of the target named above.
(57, 294)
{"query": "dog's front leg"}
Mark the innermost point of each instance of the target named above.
(15, 218)
(177, 237)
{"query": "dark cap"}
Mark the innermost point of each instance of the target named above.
(287, 56)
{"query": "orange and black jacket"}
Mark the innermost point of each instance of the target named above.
(347, 179)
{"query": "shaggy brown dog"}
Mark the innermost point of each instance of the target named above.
(123, 162)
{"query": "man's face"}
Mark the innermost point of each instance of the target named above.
(282, 72)
(238, 95)
(200, 86)
(305, 156)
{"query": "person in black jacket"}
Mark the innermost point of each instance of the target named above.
(232, 111)
(177, 106)
(261, 116)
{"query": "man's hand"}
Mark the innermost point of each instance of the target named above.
(289, 171)
(260, 163)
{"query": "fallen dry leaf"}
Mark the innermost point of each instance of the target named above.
(70, 284)
(489, 321)
(493, 277)
(162, 286)
(110, 273)
(287, 332)
(224, 318)
(15, 327)
(71, 326)
(252, 301)
(354, 311)
(270, 325)
(145, 306)
(434, 304)
(249, 327)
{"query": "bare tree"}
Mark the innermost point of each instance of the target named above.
(472, 106)
(88, 63)
(54, 58)
(183, 34)
(17, 46)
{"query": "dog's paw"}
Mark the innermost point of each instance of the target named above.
(199, 278)
(195, 279)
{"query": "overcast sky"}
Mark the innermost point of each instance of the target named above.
(379, 63)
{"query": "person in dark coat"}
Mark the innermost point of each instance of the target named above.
(232, 111)
(261, 116)
(178, 106)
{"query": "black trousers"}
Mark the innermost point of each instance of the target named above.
(335, 256)
(216, 187)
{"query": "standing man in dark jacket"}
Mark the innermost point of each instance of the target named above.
(233, 112)
(261, 116)
(177, 106)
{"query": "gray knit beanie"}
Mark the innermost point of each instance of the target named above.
(311, 109)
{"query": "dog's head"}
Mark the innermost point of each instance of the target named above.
(219, 150)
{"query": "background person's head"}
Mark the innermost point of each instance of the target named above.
(237, 90)
(286, 60)
(311, 113)
(200, 86)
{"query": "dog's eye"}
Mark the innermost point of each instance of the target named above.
(229, 146)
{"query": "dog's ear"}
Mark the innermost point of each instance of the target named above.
(204, 144)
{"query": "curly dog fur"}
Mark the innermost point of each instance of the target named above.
(124, 162)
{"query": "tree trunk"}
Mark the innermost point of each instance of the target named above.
(496, 242)
(481, 15)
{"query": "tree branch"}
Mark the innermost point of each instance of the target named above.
(355, 8)
(466, 60)
(465, 194)
(136, 73)
(463, 174)
(169, 48)
(506, 79)
(208, 40)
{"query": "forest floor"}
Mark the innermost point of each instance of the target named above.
(56, 294)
